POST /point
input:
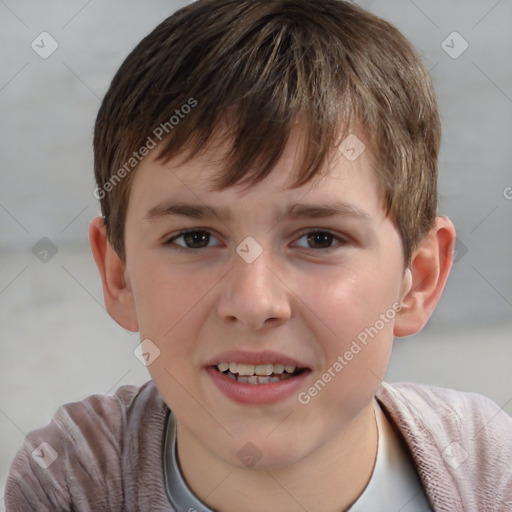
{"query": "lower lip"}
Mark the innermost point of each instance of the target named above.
(257, 393)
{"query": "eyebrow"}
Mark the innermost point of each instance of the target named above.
(292, 211)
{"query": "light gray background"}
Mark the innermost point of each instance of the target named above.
(58, 344)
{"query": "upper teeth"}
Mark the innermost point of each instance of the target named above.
(258, 369)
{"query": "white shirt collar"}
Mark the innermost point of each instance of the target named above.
(394, 485)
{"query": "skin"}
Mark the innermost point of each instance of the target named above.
(297, 298)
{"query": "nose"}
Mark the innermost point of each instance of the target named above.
(253, 294)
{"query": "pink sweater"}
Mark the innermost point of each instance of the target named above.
(109, 452)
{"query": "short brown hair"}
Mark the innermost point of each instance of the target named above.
(268, 63)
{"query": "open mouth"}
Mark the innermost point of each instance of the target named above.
(259, 373)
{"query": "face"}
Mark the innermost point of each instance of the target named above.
(302, 284)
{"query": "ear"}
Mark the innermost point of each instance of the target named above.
(425, 277)
(117, 292)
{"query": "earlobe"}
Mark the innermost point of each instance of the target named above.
(425, 278)
(117, 292)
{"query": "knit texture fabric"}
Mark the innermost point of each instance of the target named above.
(109, 452)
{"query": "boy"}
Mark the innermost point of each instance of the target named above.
(267, 176)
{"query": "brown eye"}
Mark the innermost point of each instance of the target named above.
(193, 239)
(320, 239)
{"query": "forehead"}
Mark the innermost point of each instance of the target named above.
(343, 183)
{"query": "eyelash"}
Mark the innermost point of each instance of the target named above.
(341, 240)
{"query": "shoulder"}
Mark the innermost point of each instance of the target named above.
(447, 408)
(413, 396)
(82, 449)
(461, 441)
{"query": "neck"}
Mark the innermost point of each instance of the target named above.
(330, 479)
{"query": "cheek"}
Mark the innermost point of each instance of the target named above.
(164, 297)
(172, 308)
(358, 307)
(169, 308)
(349, 300)
(356, 356)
